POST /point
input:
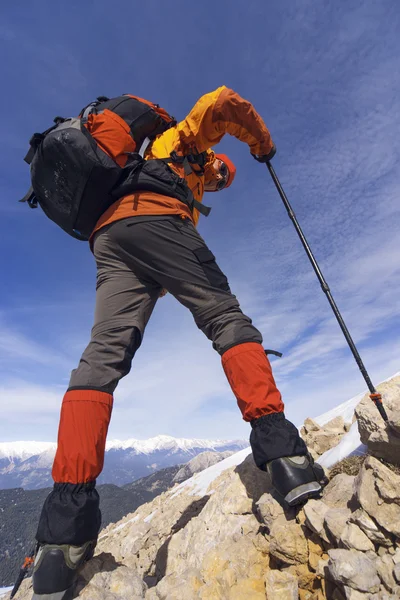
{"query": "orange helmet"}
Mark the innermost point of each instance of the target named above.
(227, 170)
(230, 166)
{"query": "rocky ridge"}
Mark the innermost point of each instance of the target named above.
(228, 537)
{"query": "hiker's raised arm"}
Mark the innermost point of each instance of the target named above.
(224, 111)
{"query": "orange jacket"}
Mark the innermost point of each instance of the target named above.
(215, 114)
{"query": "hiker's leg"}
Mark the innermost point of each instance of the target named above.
(124, 303)
(173, 253)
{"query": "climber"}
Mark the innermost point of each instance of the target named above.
(144, 244)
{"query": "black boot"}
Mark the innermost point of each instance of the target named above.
(296, 478)
(56, 567)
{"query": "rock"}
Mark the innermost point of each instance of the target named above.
(374, 484)
(304, 594)
(301, 517)
(351, 594)
(396, 556)
(314, 544)
(288, 544)
(369, 527)
(336, 425)
(394, 420)
(339, 491)
(353, 537)
(269, 510)
(386, 445)
(337, 595)
(322, 567)
(313, 560)
(315, 551)
(322, 441)
(382, 440)
(281, 586)
(347, 427)
(354, 569)
(335, 521)
(311, 425)
(120, 582)
(385, 568)
(396, 572)
(261, 543)
(306, 578)
(183, 588)
(315, 511)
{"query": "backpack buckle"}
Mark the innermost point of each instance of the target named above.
(34, 144)
(36, 139)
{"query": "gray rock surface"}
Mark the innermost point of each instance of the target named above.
(354, 537)
(354, 569)
(369, 527)
(383, 440)
(339, 491)
(281, 586)
(335, 521)
(377, 488)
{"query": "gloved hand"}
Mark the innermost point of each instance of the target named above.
(265, 157)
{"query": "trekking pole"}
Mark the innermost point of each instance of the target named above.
(28, 562)
(374, 395)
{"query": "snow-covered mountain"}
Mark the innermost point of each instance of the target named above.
(28, 464)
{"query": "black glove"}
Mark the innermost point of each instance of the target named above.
(265, 157)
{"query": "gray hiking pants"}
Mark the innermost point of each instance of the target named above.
(136, 258)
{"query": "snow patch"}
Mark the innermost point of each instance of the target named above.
(349, 445)
(150, 516)
(119, 527)
(199, 483)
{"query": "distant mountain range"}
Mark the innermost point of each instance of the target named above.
(28, 464)
(20, 509)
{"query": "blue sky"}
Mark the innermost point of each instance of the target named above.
(325, 78)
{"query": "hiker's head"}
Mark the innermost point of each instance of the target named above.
(219, 174)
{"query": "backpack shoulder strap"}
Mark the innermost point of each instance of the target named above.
(187, 161)
(30, 198)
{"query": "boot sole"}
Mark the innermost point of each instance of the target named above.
(302, 493)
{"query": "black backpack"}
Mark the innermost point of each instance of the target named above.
(80, 166)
